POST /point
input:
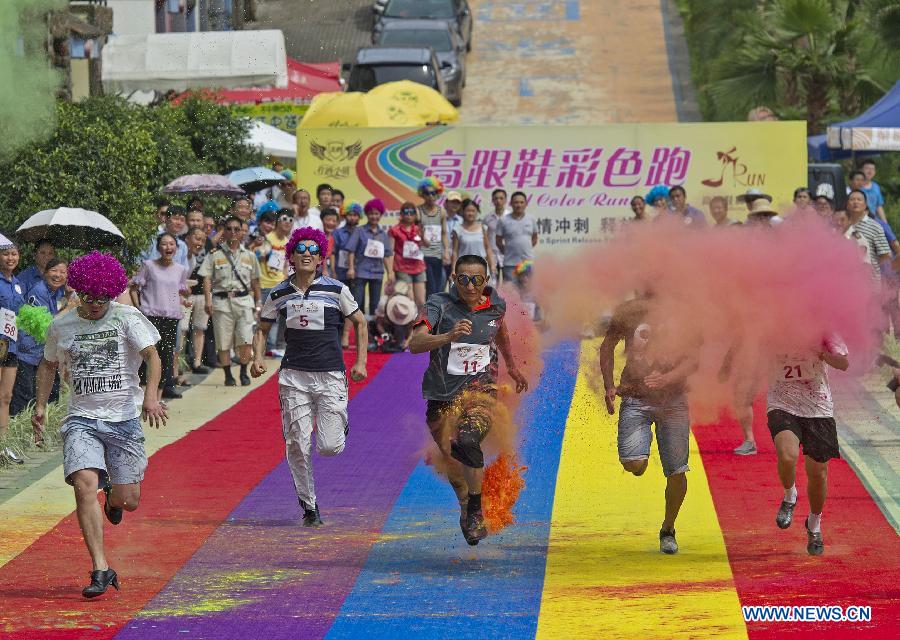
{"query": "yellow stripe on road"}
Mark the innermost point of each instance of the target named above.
(605, 575)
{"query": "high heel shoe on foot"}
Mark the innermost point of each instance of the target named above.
(100, 581)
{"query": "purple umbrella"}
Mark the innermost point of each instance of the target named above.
(203, 183)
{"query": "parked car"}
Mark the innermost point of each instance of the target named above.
(379, 65)
(437, 34)
(455, 13)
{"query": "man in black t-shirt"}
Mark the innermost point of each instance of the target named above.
(463, 330)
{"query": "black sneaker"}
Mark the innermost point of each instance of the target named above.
(785, 515)
(474, 530)
(170, 393)
(815, 546)
(200, 369)
(667, 543)
(113, 514)
(245, 380)
(230, 382)
(311, 516)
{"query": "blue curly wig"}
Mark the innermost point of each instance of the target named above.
(657, 192)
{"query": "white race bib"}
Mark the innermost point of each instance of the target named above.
(412, 250)
(433, 233)
(374, 249)
(468, 359)
(276, 260)
(308, 315)
(8, 328)
(343, 261)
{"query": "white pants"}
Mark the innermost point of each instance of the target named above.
(307, 397)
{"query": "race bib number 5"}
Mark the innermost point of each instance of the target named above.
(307, 315)
(468, 359)
(8, 326)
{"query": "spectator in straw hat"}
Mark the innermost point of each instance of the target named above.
(393, 316)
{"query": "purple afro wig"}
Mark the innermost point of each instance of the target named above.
(375, 203)
(98, 275)
(307, 233)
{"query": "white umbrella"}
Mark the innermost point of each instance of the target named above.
(74, 228)
(5, 242)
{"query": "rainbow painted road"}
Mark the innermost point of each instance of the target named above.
(216, 550)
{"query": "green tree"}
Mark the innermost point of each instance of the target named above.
(884, 17)
(113, 157)
(812, 59)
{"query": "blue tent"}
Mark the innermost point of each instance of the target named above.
(883, 117)
(818, 150)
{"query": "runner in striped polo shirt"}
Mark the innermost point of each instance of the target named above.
(312, 384)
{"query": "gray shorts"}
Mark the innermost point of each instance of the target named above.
(115, 449)
(411, 278)
(673, 432)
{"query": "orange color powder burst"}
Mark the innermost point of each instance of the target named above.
(502, 484)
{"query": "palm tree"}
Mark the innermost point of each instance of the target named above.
(884, 16)
(806, 58)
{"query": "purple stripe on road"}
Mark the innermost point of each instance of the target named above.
(263, 575)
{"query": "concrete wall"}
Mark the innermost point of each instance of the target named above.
(132, 16)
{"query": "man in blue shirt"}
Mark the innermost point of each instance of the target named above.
(874, 197)
(43, 252)
(312, 384)
(49, 293)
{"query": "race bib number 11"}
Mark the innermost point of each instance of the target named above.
(468, 359)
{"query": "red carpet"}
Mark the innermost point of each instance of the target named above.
(190, 488)
(771, 566)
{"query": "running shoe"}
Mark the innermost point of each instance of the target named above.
(200, 369)
(12, 456)
(667, 543)
(815, 546)
(785, 514)
(311, 516)
(747, 448)
(113, 514)
(275, 353)
(100, 581)
(245, 380)
(475, 531)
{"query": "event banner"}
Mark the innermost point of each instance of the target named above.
(281, 115)
(579, 180)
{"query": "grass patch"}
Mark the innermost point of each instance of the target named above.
(20, 436)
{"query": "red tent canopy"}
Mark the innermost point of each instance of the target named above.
(305, 80)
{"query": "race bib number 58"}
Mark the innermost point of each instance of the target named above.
(468, 359)
(8, 326)
(306, 315)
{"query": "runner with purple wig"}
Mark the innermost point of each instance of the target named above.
(101, 345)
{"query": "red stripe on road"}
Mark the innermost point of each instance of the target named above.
(771, 566)
(190, 488)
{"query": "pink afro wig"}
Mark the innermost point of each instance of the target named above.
(98, 275)
(307, 233)
(375, 203)
(432, 182)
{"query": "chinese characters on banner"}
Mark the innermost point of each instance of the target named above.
(579, 180)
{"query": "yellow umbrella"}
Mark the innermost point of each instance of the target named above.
(395, 104)
(337, 109)
(405, 103)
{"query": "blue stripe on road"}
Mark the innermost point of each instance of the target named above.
(573, 10)
(525, 89)
(421, 580)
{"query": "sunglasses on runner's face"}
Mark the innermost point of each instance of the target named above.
(429, 192)
(408, 212)
(303, 248)
(87, 299)
(464, 280)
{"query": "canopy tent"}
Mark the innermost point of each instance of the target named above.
(818, 150)
(878, 129)
(181, 61)
(305, 81)
(274, 141)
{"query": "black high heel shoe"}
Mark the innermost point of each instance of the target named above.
(100, 581)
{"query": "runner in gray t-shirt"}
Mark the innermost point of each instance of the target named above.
(516, 236)
(463, 330)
